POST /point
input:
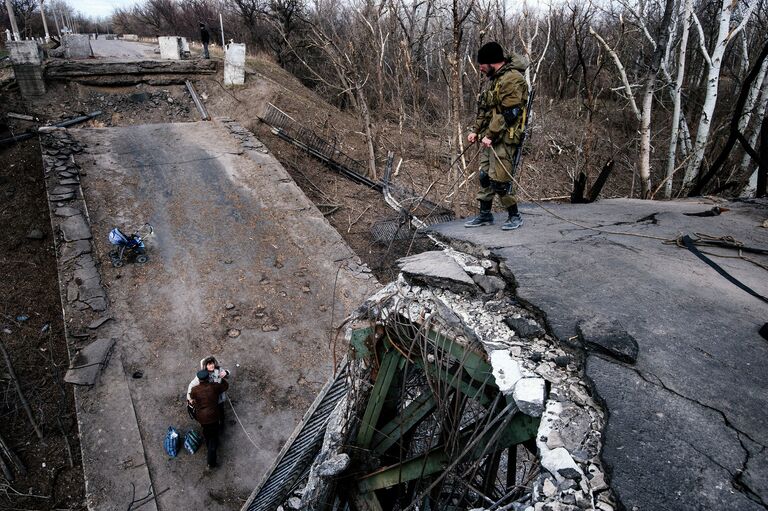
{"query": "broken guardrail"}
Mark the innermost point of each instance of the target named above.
(415, 212)
(69, 122)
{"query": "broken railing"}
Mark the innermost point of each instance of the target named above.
(287, 128)
(414, 211)
(294, 460)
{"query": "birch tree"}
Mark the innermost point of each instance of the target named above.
(687, 13)
(714, 60)
(644, 115)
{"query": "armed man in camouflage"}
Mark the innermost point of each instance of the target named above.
(499, 127)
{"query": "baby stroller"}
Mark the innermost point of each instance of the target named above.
(129, 247)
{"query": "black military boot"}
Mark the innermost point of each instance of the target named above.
(484, 218)
(514, 220)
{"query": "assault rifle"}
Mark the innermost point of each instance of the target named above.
(519, 151)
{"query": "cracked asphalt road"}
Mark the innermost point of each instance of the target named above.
(688, 423)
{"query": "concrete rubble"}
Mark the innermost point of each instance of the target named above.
(542, 377)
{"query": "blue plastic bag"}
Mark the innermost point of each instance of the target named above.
(192, 441)
(171, 443)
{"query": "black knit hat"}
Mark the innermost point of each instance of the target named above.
(490, 53)
(202, 375)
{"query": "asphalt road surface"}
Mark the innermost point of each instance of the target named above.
(688, 422)
(242, 266)
(123, 50)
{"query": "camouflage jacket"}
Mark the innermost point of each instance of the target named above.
(506, 89)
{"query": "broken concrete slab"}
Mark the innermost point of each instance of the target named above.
(438, 269)
(560, 464)
(610, 338)
(525, 328)
(96, 323)
(506, 371)
(75, 228)
(489, 283)
(75, 249)
(62, 190)
(88, 363)
(529, 395)
(65, 211)
(60, 198)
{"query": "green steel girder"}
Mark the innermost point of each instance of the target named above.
(389, 434)
(473, 362)
(457, 381)
(521, 428)
(389, 365)
(359, 342)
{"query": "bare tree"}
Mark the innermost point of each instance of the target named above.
(714, 60)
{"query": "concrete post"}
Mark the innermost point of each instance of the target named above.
(27, 67)
(12, 17)
(45, 23)
(221, 23)
(56, 20)
(234, 64)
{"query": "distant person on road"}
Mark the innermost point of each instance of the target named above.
(205, 38)
(499, 126)
(205, 398)
(215, 374)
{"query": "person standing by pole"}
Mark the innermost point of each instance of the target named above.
(499, 127)
(205, 38)
(205, 399)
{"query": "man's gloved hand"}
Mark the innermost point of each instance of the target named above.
(487, 142)
(472, 138)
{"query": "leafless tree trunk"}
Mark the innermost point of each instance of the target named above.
(714, 61)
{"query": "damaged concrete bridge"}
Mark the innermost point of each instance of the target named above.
(590, 360)
(572, 364)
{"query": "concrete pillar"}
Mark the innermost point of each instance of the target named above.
(27, 61)
(234, 64)
(12, 17)
(170, 47)
(77, 46)
(45, 23)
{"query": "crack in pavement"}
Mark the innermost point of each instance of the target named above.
(736, 478)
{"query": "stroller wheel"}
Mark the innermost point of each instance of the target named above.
(117, 263)
(142, 258)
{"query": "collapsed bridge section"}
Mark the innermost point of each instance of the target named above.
(452, 389)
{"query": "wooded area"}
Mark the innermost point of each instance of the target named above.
(674, 92)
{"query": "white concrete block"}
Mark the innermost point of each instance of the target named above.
(130, 37)
(529, 396)
(184, 47)
(77, 46)
(234, 64)
(505, 370)
(170, 47)
(24, 52)
(559, 463)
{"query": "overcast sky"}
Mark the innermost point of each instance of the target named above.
(100, 8)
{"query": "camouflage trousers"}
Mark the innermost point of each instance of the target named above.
(496, 174)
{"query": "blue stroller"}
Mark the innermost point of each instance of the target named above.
(129, 247)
